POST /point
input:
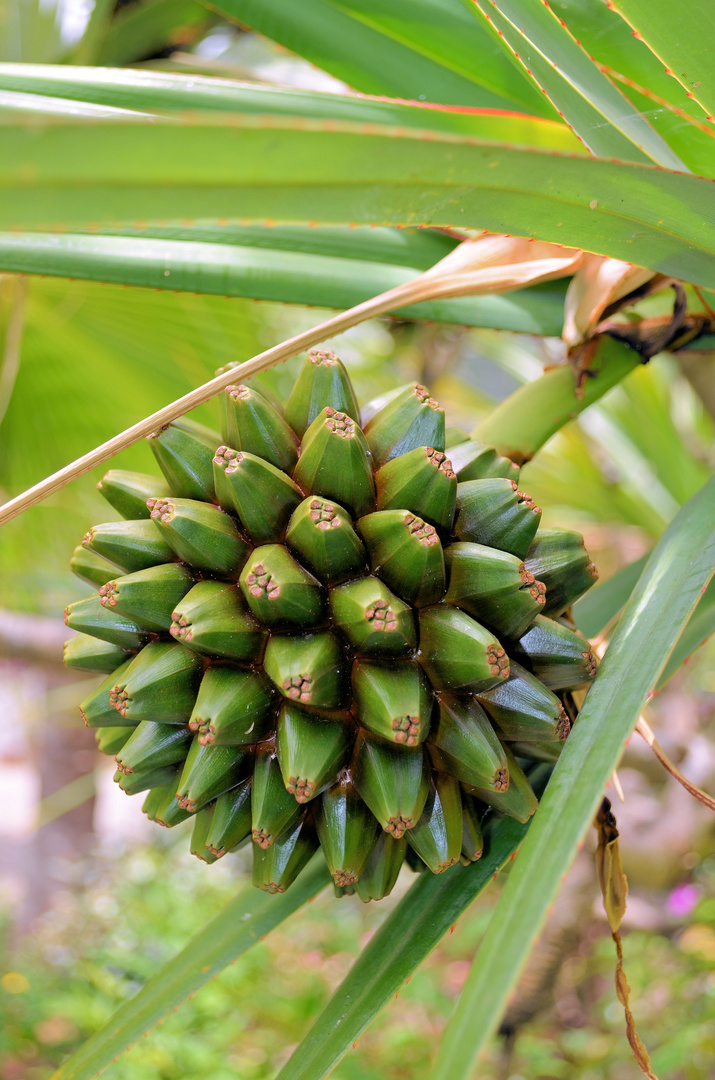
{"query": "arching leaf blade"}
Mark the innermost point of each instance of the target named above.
(82, 174)
(161, 92)
(586, 98)
(678, 570)
(265, 274)
(682, 37)
(420, 49)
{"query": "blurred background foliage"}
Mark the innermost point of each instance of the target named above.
(105, 914)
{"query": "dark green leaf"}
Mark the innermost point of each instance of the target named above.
(265, 274)
(594, 611)
(258, 168)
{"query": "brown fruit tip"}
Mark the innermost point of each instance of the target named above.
(260, 837)
(272, 887)
(84, 718)
(301, 788)
(186, 803)
(440, 461)
(398, 826)
(591, 663)
(163, 510)
(323, 356)
(501, 780)
(344, 877)
(108, 594)
(446, 865)
(340, 423)
(418, 528)
(240, 392)
(563, 724)
(218, 852)
(123, 768)
(424, 395)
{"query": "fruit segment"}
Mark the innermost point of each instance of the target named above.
(422, 481)
(495, 513)
(130, 545)
(280, 592)
(209, 771)
(200, 534)
(406, 553)
(159, 684)
(273, 807)
(381, 868)
(249, 422)
(494, 587)
(311, 750)
(310, 670)
(335, 462)
(213, 618)
(459, 653)
(522, 708)
(92, 568)
(392, 780)
(128, 491)
(374, 621)
(234, 707)
(322, 381)
(437, 836)
(148, 596)
(276, 867)
(184, 452)
(392, 700)
(347, 831)
(410, 419)
(463, 743)
(86, 653)
(559, 559)
(231, 823)
(262, 496)
(558, 656)
(321, 535)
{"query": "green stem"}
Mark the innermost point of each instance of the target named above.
(521, 424)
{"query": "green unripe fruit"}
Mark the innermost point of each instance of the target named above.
(310, 643)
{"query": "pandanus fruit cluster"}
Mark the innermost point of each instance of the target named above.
(324, 630)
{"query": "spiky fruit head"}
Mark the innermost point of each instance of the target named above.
(329, 633)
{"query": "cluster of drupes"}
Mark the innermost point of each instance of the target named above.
(324, 630)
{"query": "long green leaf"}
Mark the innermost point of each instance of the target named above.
(697, 631)
(578, 89)
(421, 49)
(152, 91)
(260, 274)
(257, 168)
(594, 611)
(416, 248)
(678, 570)
(407, 936)
(682, 36)
(244, 921)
